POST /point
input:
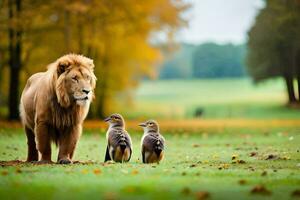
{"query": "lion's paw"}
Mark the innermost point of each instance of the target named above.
(64, 161)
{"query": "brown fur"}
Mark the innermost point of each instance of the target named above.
(54, 105)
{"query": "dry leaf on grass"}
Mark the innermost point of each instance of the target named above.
(234, 156)
(252, 154)
(296, 193)
(18, 171)
(223, 166)
(238, 162)
(264, 173)
(193, 165)
(186, 191)
(242, 182)
(134, 172)
(97, 171)
(201, 195)
(272, 157)
(260, 189)
(110, 196)
(4, 173)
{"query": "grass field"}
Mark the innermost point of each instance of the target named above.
(198, 165)
(218, 98)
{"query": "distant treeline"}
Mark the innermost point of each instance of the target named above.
(208, 60)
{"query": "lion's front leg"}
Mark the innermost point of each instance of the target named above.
(67, 142)
(43, 139)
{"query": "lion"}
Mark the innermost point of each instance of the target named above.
(54, 105)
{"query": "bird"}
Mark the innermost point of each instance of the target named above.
(153, 143)
(119, 145)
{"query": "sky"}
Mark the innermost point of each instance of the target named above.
(220, 21)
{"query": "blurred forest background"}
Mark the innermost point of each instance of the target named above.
(140, 74)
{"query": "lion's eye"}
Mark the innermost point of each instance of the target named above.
(74, 78)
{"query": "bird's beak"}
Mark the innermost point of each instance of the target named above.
(142, 125)
(107, 119)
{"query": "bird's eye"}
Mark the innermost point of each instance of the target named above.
(150, 124)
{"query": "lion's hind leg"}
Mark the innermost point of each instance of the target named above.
(32, 154)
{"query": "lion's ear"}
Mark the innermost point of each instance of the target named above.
(62, 66)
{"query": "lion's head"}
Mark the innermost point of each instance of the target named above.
(75, 80)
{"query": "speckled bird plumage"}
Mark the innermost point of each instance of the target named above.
(153, 143)
(119, 145)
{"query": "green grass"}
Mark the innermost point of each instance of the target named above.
(191, 165)
(219, 98)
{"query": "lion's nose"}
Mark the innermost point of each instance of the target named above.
(86, 91)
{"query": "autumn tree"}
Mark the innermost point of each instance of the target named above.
(115, 33)
(274, 45)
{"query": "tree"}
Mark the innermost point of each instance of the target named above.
(114, 33)
(274, 44)
(211, 60)
(15, 63)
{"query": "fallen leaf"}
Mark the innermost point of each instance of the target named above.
(4, 173)
(183, 173)
(196, 145)
(193, 165)
(260, 189)
(264, 173)
(286, 158)
(18, 171)
(97, 171)
(241, 161)
(223, 166)
(201, 195)
(186, 191)
(134, 172)
(234, 156)
(242, 182)
(272, 157)
(110, 196)
(130, 189)
(84, 171)
(296, 193)
(252, 154)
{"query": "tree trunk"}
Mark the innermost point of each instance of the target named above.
(67, 28)
(15, 35)
(290, 89)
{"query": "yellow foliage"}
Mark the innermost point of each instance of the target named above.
(115, 33)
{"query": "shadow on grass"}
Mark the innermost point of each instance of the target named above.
(9, 163)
